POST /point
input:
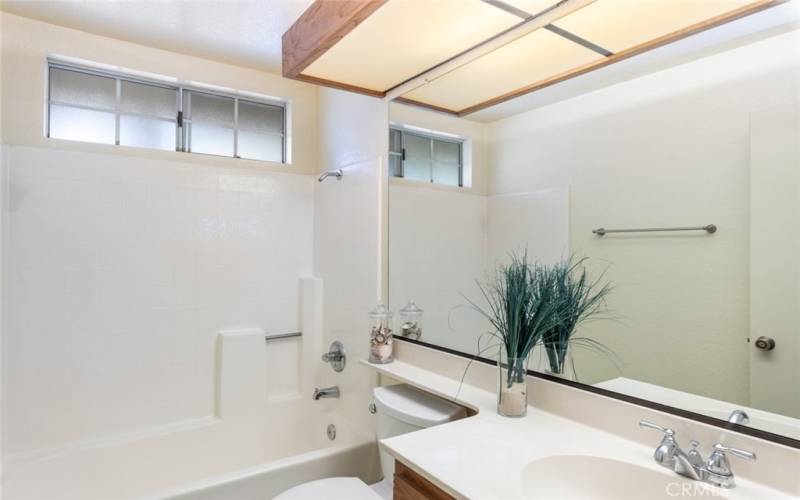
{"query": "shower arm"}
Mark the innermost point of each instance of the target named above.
(338, 173)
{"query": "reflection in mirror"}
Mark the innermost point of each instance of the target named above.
(700, 320)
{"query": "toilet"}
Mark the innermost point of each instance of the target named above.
(400, 409)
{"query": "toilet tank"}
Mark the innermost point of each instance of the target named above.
(402, 408)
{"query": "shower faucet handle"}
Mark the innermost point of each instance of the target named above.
(335, 356)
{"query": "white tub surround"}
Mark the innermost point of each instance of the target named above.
(486, 455)
(263, 435)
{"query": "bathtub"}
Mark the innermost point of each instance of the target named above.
(315, 457)
(263, 435)
(218, 460)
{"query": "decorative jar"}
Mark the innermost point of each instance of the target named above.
(381, 344)
(411, 321)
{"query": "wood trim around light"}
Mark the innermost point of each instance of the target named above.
(626, 54)
(342, 86)
(318, 29)
(420, 104)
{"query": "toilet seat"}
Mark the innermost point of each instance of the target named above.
(333, 488)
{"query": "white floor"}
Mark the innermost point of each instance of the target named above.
(384, 489)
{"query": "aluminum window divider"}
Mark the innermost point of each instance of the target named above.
(236, 127)
(49, 100)
(179, 120)
(117, 116)
(461, 165)
(187, 123)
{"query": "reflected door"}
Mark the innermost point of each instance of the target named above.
(775, 258)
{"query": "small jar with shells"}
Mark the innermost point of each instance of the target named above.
(380, 339)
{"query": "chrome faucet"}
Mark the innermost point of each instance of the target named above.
(716, 470)
(739, 417)
(327, 392)
(670, 455)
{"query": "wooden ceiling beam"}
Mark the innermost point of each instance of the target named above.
(323, 24)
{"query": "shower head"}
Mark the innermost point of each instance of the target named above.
(335, 173)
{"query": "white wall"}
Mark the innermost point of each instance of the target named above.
(667, 149)
(353, 131)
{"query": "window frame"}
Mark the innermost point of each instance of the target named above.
(431, 137)
(182, 131)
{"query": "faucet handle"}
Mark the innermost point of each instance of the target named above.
(644, 424)
(718, 469)
(721, 449)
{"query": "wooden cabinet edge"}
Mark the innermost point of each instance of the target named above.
(408, 485)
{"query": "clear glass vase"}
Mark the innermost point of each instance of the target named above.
(559, 364)
(512, 390)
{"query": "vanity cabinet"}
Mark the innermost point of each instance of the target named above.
(408, 485)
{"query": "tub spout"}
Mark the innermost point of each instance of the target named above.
(327, 392)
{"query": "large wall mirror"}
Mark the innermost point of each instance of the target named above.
(699, 133)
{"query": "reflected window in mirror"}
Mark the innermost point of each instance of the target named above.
(426, 156)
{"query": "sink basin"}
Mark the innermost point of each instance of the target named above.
(594, 478)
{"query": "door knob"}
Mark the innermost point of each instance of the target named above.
(765, 343)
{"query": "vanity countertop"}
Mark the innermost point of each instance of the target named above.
(484, 456)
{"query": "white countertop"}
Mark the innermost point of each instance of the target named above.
(483, 456)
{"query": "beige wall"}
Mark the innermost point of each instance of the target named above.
(27, 43)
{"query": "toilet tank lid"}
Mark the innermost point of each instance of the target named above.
(414, 406)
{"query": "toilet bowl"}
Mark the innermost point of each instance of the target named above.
(400, 409)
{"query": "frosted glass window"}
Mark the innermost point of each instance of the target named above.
(446, 173)
(78, 124)
(416, 169)
(143, 99)
(395, 153)
(146, 132)
(395, 166)
(446, 152)
(259, 146)
(73, 87)
(417, 147)
(208, 108)
(94, 106)
(428, 158)
(260, 117)
(210, 139)
(395, 143)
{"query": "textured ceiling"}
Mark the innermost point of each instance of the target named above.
(245, 33)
